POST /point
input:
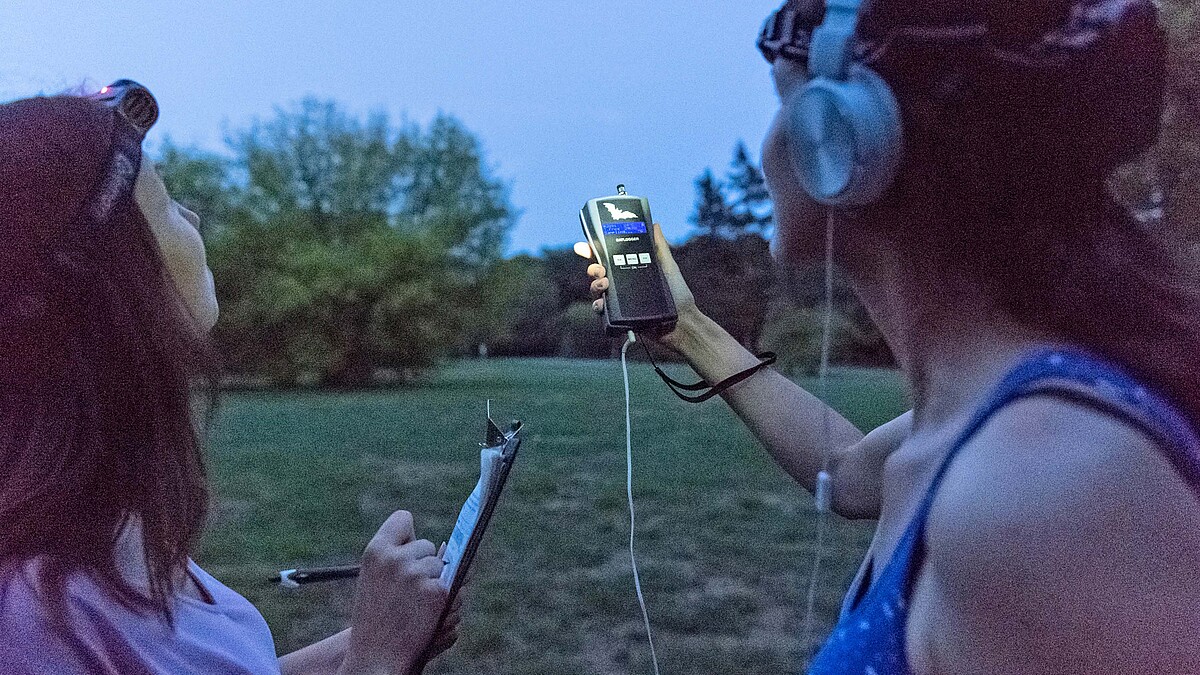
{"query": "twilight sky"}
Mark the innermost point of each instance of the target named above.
(568, 98)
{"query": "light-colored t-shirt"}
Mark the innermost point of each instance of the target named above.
(227, 636)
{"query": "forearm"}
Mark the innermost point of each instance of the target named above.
(321, 658)
(785, 418)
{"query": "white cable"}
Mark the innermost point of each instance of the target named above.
(637, 582)
(824, 487)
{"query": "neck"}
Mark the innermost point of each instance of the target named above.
(951, 342)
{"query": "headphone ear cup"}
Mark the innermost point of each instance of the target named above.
(846, 138)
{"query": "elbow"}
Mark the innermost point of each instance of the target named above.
(856, 495)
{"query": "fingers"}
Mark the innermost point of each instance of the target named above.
(397, 529)
(428, 567)
(599, 287)
(663, 251)
(420, 559)
(417, 550)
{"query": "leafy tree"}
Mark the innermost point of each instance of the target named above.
(448, 189)
(795, 321)
(521, 313)
(732, 280)
(345, 245)
(583, 334)
(728, 268)
(567, 272)
(296, 308)
(319, 169)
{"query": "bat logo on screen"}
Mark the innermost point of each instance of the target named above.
(618, 214)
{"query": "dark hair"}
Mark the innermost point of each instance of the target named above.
(1010, 164)
(100, 356)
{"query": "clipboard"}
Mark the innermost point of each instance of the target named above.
(507, 444)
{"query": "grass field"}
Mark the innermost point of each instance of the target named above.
(724, 538)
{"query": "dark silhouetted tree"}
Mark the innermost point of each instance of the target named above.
(750, 202)
(713, 215)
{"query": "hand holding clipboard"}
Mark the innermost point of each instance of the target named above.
(497, 456)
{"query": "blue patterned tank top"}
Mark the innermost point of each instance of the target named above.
(869, 638)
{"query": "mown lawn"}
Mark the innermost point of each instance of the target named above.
(724, 538)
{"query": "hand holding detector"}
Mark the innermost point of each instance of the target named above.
(618, 230)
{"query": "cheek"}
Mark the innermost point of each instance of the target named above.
(182, 251)
(799, 220)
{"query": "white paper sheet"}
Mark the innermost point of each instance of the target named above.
(468, 516)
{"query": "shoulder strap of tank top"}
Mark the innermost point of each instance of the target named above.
(1086, 379)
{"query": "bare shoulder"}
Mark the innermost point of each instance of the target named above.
(1066, 541)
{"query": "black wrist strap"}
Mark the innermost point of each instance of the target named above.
(677, 387)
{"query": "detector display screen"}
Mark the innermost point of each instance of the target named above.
(624, 228)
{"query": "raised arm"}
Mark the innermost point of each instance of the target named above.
(784, 417)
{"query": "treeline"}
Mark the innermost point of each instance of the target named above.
(346, 248)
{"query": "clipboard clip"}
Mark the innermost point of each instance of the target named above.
(494, 436)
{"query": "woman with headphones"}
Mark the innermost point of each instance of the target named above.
(105, 304)
(1039, 508)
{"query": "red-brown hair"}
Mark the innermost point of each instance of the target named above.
(99, 360)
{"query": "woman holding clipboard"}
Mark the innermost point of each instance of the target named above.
(105, 304)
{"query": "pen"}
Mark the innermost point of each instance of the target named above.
(297, 577)
(309, 575)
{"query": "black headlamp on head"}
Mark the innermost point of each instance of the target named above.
(133, 103)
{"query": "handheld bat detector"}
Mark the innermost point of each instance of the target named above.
(618, 228)
(132, 101)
